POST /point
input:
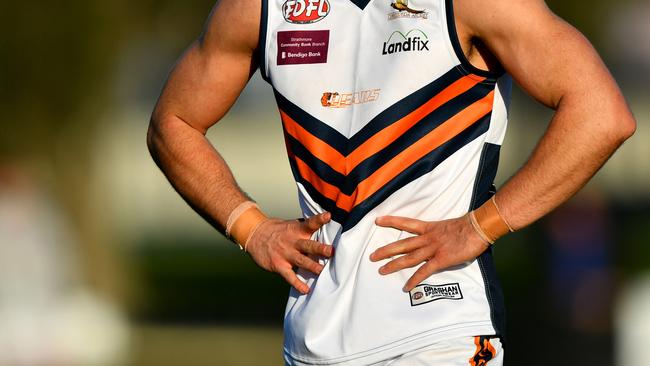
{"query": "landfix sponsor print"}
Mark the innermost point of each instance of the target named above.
(411, 41)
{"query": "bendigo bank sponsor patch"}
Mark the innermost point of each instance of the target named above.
(303, 47)
(424, 293)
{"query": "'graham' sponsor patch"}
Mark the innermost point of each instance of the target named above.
(303, 47)
(424, 293)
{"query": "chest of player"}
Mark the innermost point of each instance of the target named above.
(355, 49)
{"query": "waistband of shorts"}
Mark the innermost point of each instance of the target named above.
(396, 348)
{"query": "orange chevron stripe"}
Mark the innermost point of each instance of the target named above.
(425, 145)
(380, 140)
(434, 139)
(316, 146)
(389, 134)
(330, 191)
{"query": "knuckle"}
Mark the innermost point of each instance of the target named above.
(293, 280)
(432, 265)
(276, 263)
(299, 244)
(401, 261)
(278, 269)
(410, 261)
(300, 261)
(324, 249)
(273, 266)
(429, 226)
(310, 246)
(314, 267)
(290, 277)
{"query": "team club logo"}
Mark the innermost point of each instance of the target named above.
(305, 11)
(404, 11)
(414, 40)
(424, 293)
(342, 100)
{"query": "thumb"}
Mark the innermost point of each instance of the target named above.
(315, 222)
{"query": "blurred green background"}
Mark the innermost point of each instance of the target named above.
(101, 263)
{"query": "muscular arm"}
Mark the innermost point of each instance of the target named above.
(557, 66)
(201, 88)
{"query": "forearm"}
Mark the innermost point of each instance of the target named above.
(195, 169)
(584, 133)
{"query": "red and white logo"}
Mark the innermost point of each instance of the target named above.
(305, 11)
(418, 295)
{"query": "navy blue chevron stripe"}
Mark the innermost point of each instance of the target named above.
(405, 106)
(389, 116)
(347, 184)
(339, 215)
(422, 167)
(324, 171)
(410, 137)
(360, 3)
(317, 128)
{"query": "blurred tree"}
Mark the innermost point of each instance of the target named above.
(56, 64)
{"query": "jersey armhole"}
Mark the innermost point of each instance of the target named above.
(262, 40)
(450, 19)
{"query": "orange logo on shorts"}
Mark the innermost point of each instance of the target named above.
(484, 352)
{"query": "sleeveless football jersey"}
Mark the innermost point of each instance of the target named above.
(382, 115)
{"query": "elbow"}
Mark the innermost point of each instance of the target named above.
(617, 122)
(153, 136)
(623, 127)
(628, 127)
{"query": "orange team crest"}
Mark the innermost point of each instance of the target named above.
(484, 352)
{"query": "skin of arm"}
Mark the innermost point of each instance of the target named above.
(201, 88)
(557, 66)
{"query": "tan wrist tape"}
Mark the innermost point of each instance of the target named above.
(243, 221)
(488, 221)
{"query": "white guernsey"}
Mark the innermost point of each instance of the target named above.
(383, 115)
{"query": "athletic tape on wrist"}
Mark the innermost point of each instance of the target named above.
(472, 219)
(243, 221)
(488, 221)
(236, 213)
(250, 235)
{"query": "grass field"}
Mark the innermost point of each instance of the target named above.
(203, 346)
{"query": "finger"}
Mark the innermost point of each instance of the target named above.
(315, 222)
(307, 263)
(427, 269)
(290, 276)
(399, 247)
(314, 247)
(402, 223)
(405, 261)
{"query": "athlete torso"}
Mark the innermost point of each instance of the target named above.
(383, 115)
